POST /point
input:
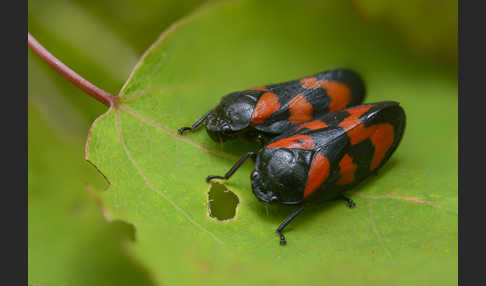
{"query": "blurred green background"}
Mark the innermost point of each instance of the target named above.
(70, 242)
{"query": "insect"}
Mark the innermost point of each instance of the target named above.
(267, 111)
(320, 159)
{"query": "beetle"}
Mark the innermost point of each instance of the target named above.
(264, 112)
(320, 159)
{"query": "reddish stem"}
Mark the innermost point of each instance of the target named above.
(95, 92)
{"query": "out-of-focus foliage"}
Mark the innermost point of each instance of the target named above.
(139, 22)
(70, 243)
(428, 27)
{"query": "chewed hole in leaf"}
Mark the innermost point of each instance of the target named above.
(128, 229)
(222, 202)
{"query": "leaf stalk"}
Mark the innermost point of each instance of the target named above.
(89, 88)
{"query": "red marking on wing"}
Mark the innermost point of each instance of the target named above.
(353, 119)
(259, 88)
(310, 82)
(357, 111)
(294, 142)
(318, 173)
(359, 133)
(339, 93)
(266, 106)
(382, 139)
(347, 169)
(300, 109)
(381, 135)
(313, 125)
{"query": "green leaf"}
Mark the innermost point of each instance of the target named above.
(404, 228)
(69, 241)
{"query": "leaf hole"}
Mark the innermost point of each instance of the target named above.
(222, 202)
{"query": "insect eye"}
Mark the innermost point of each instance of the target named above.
(255, 175)
(226, 129)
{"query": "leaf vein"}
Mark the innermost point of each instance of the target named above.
(152, 187)
(407, 199)
(378, 235)
(174, 134)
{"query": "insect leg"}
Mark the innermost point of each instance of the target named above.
(234, 168)
(195, 125)
(285, 223)
(350, 202)
(261, 140)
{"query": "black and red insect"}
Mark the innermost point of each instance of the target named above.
(267, 111)
(320, 159)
